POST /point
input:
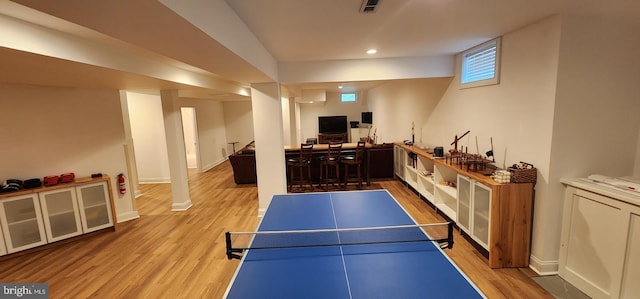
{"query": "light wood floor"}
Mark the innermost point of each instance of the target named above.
(168, 254)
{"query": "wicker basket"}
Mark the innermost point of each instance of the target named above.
(524, 175)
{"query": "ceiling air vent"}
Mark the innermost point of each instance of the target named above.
(369, 6)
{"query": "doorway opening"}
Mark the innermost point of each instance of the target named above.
(190, 133)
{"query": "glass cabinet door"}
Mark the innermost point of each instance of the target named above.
(3, 248)
(464, 202)
(95, 206)
(481, 213)
(61, 214)
(22, 223)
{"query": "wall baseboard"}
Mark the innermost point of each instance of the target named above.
(543, 267)
(212, 165)
(127, 216)
(208, 167)
(143, 181)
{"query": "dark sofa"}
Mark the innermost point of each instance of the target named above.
(243, 163)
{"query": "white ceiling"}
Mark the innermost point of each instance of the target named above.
(291, 30)
(304, 30)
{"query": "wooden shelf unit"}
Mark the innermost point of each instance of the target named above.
(510, 205)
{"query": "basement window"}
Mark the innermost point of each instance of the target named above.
(348, 97)
(481, 65)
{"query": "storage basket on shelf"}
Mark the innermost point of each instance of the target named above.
(528, 175)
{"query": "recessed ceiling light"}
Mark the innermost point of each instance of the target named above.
(340, 86)
(372, 51)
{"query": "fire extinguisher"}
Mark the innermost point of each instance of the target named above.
(122, 187)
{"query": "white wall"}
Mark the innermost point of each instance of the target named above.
(636, 167)
(50, 131)
(596, 119)
(221, 22)
(270, 166)
(567, 102)
(189, 133)
(367, 69)
(291, 121)
(598, 86)
(212, 137)
(296, 120)
(332, 107)
(238, 122)
(147, 126)
(147, 130)
(398, 103)
(286, 121)
(517, 113)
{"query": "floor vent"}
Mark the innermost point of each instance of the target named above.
(369, 6)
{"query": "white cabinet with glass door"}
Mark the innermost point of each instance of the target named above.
(22, 223)
(3, 248)
(481, 214)
(95, 206)
(464, 203)
(400, 161)
(474, 209)
(61, 214)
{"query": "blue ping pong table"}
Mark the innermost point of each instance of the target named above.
(386, 270)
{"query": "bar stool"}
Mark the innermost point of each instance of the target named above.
(331, 160)
(302, 162)
(356, 160)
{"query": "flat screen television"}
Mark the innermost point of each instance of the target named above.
(332, 124)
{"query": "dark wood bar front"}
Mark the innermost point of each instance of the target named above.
(375, 156)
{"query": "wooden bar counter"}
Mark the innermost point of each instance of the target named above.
(320, 150)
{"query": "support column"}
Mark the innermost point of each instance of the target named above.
(268, 133)
(294, 120)
(130, 157)
(175, 150)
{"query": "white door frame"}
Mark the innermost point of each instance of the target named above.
(194, 124)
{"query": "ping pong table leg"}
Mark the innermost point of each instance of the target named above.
(450, 235)
(230, 250)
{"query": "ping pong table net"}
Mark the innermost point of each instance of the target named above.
(438, 233)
